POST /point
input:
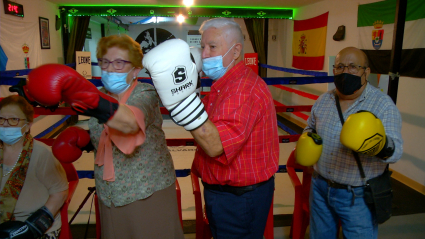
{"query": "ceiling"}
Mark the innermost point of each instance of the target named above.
(204, 3)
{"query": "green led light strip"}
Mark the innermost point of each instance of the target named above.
(238, 12)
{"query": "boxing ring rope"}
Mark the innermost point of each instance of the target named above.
(9, 78)
(296, 71)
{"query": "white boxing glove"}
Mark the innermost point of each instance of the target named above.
(175, 77)
(196, 53)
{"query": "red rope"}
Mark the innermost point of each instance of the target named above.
(68, 110)
(299, 108)
(192, 142)
(298, 92)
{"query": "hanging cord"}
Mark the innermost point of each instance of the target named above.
(88, 221)
(356, 155)
(107, 29)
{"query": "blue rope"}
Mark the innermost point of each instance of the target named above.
(8, 77)
(179, 172)
(286, 128)
(12, 73)
(10, 80)
(48, 130)
(298, 80)
(85, 173)
(289, 70)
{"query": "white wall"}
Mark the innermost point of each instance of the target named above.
(17, 31)
(410, 91)
(91, 44)
(24, 27)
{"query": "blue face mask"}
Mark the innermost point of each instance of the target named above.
(115, 82)
(10, 135)
(213, 66)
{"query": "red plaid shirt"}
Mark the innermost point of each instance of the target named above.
(241, 107)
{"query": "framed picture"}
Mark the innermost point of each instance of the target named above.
(44, 32)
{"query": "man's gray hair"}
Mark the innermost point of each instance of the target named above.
(231, 29)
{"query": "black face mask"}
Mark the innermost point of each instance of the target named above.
(347, 84)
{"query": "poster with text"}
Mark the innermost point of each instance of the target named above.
(83, 63)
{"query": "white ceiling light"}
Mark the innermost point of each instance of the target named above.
(188, 3)
(180, 18)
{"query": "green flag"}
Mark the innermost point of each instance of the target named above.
(375, 22)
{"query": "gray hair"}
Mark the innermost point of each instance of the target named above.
(231, 29)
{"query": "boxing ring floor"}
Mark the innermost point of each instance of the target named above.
(182, 157)
(403, 226)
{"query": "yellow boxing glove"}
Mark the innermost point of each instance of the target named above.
(309, 149)
(363, 132)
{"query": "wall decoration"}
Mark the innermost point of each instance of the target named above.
(151, 37)
(194, 38)
(376, 33)
(26, 49)
(309, 42)
(44, 33)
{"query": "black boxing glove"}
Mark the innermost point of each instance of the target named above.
(21, 89)
(15, 230)
(40, 221)
(34, 227)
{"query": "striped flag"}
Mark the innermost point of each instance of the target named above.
(3, 60)
(375, 22)
(309, 43)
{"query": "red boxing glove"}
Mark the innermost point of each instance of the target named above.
(69, 145)
(52, 83)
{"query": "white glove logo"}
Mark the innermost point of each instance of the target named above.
(20, 231)
(179, 75)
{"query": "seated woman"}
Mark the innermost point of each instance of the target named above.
(33, 183)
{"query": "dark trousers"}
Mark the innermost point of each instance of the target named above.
(245, 216)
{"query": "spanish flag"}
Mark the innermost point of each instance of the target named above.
(309, 42)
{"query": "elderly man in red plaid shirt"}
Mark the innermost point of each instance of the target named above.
(238, 146)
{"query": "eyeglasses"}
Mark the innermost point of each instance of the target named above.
(353, 69)
(10, 121)
(117, 64)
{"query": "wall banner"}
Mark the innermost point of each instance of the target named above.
(83, 65)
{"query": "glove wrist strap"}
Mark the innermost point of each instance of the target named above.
(104, 111)
(189, 113)
(388, 149)
(40, 221)
(88, 147)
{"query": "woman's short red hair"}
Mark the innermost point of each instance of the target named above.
(124, 42)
